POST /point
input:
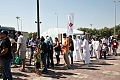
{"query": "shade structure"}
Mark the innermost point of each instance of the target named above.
(53, 32)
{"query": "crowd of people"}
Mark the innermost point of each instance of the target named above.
(77, 47)
(43, 49)
(9, 49)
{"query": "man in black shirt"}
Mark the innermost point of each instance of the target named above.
(43, 51)
(0, 59)
(6, 56)
(71, 48)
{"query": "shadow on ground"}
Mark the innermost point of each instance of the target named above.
(84, 66)
(58, 75)
(30, 69)
(118, 54)
(100, 62)
(18, 75)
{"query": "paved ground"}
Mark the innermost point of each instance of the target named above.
(98, 70)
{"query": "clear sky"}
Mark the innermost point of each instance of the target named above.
(100, 13)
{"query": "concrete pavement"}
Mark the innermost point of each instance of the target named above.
(98, 70)
(108, 69)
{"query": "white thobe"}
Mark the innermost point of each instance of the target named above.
(97, 49)
(94, 52)
(86, 51)
(80, 49)
(76, 54)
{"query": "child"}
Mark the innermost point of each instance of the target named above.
(91, 49)
(104, 49)
(37, 57)
(101, 45)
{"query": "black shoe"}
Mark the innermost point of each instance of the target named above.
(44, 72)
(84, 61)
(71, 67)
(22, 70)
(29, 64)
(56, 64)
(47, 66)
(52, 66)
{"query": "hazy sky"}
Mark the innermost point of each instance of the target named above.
(100, 13)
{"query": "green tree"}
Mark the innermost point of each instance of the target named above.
(30, 34)
(104, 32)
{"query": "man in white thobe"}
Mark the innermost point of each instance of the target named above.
(94, 52)
(86, 51)
(97, 48)
(80, 48)
(76, 54)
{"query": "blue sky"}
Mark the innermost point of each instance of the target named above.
(100, 13)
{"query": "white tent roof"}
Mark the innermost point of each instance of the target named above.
(53, 32)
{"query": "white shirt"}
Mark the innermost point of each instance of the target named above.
(76, 44)
(85, 45)
(105, 41)
(93, 43)
(90, 47)
(21, 40)
(97, 45)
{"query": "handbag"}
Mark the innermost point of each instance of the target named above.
(18, 60)
(58, 48)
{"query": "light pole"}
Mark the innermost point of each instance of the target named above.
(118, 1)
(57, 19)
(91, 25)
(115, 20)
(21, 24)
(38, 24)
(18, 22)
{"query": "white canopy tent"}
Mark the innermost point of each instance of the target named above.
(53, 32)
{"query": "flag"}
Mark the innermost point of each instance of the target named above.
(70, 24)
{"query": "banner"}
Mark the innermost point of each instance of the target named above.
(70, 24)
